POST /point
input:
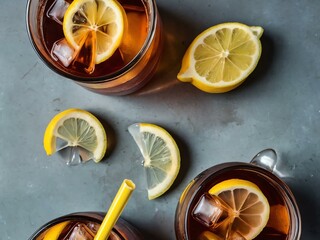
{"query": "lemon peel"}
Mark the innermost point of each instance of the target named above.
(76, 127)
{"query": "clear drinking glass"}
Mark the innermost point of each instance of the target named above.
(261, 171)
(129, 78)
(91, 220)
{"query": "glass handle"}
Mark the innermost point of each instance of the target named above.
(266, 159)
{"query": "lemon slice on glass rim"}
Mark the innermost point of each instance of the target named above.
(250, 208)
(105, 20)
(79, 131)
(161, 157)
(222, 57)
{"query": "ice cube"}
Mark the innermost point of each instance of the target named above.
(63, 52)
(61, 144)
(210, 210)
(57, 10)
(80, 232)
(94, 227)
(77, 155)
(218, 217)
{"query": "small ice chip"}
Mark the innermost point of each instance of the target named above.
(81, 232)
(74, 155)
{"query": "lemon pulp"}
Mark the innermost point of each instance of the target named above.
(161, 157)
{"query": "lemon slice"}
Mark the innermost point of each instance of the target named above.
(54, 232)
(250, 207)
(222, 57)
(161, 156)
(76, 128)
(105, 19)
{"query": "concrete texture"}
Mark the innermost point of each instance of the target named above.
(278, 106)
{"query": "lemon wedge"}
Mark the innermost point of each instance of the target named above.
(103, 20)
(54, 232)
(222, 57)
(279, 219)
(251, 208)
(161, 156)
(76, 128)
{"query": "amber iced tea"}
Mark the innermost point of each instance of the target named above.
(284, 220)
(275, 228)
(132, 43)
(77, 230)
(84, 226)
(128, 69)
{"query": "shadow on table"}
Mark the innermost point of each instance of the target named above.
(308, 209)
(111, 135)
(185, 159)
(175, 33)
(304, 189)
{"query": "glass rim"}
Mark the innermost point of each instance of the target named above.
(108, 77)
(77, 216)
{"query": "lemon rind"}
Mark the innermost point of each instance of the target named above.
(164, 186)
(51, 132)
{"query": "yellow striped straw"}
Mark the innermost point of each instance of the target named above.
(118, 204)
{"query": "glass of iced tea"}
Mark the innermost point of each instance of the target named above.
(126, 70)
(83, 226)
(239, 201)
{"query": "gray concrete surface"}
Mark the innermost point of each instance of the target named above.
(278, 106)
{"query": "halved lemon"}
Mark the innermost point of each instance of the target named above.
(54, 232)
(222, 57)
(103, 20)
(250, 208)
(76, 128)
(161, 156)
